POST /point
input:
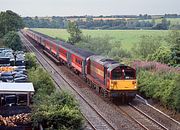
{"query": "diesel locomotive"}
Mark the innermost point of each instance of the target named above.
(107, 76)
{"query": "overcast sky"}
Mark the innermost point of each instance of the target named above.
(89, 7)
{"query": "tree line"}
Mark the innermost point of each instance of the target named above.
(10, 23)
(90, 23)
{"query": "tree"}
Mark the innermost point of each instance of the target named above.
(147, 46)
(98, 45)
(162, 54)
(9, 21)
(164, 25)
(12, 40)
(75, 32)
(174, 41)
(31, 60)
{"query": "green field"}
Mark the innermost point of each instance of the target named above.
(173, 21)
(126, 37)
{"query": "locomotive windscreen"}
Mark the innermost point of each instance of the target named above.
(129, 74)
(117, 74)
(123, 73)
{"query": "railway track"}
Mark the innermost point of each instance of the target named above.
(94, 118)
(143, 105)
(144, 121)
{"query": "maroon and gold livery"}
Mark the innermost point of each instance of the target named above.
(109, 75)
(105, 75)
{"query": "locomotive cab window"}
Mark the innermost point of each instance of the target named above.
(116, 74)
(129, 73)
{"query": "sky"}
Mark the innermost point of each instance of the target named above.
(90, 7)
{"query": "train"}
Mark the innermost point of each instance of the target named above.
(107, 76)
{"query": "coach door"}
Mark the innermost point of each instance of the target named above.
(69, 60)
(83, 67)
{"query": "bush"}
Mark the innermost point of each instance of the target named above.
(52, 109)
(41, 80)
(162, 54)
(162, 86)
(30, 60)
(58, 111)
(98, 45)
(117, 53)
(12, 40)
(147, 46)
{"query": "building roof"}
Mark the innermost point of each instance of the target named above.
(16, 88)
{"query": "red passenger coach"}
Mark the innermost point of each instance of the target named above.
(48, 45)
(63, 54)
(54, 48)
(105, 75)
(77, 62)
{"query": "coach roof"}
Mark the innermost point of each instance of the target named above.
(69, 47)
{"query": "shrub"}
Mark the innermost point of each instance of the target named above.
(98, 45)
(41, 80)
(162, 54)
(161, 86)
(31, 60)
(12, 40)
(58, 111)
(147, 46)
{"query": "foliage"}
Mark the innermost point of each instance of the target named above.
(12, 40)
(175, 27)
(162, 54)
(90, 22)
(9, 21)
(147, 46)
(173, 40)
(159, 81)
(98, 45)
(54, 22)
(117, 52)
(31, 60)
(74, 31)
(155, 66)
(1, 43)
(162, 86)
(164, 25)
(55, 110)
(58, 111)
(41, 80)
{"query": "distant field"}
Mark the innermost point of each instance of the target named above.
(172, 20)
(126, 37)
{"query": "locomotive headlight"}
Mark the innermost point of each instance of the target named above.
(114, 82)
(133, 82)
(135, 86)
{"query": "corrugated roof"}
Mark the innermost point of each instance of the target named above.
(16, 87)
